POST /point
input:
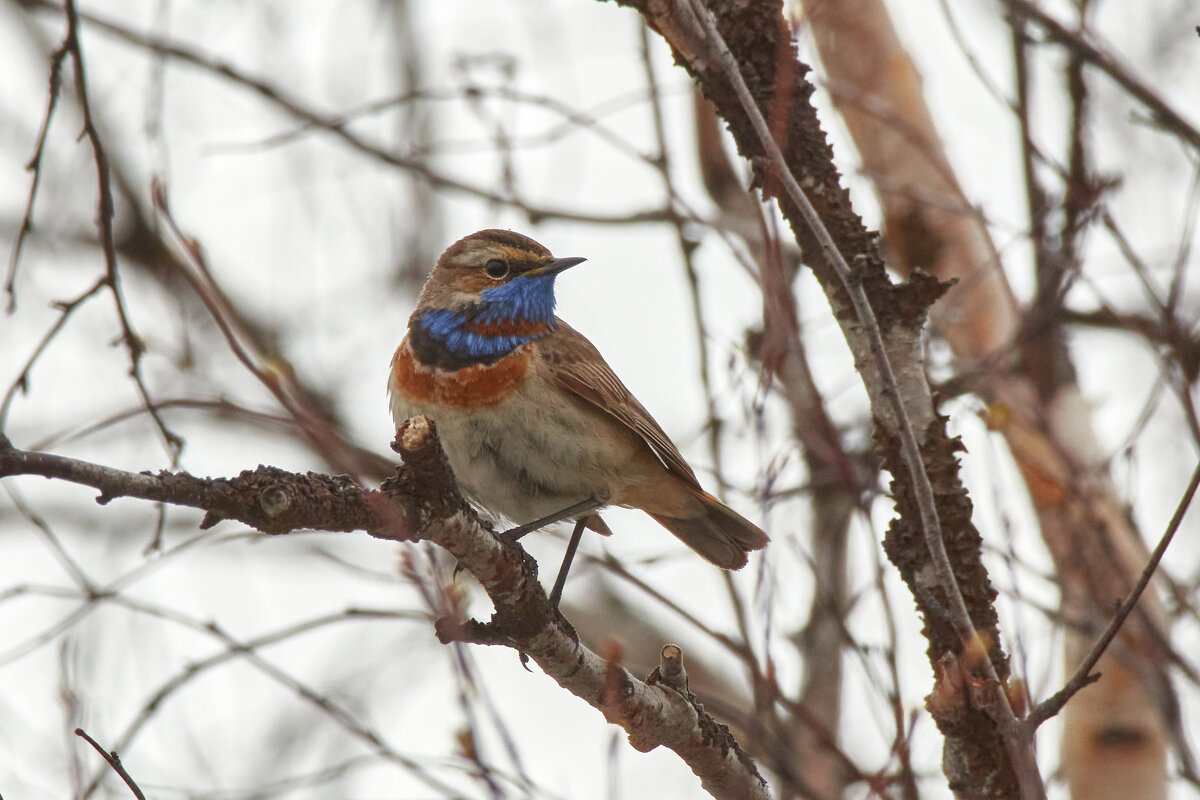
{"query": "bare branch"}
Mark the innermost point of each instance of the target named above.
(104, 222)
(333, 125)
(751, 39)
(194, 268)
(1083, 675)
(652, 715)
(21, 382)
(34, 166)
(1098, 56)
(114, 761)
(422, 502)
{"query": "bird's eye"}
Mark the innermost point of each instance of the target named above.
(496, 268)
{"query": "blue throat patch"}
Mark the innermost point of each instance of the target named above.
(520, 300)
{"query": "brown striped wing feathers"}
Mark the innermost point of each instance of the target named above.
(578, 367)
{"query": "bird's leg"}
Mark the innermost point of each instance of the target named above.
(572, 546)
(590, 504)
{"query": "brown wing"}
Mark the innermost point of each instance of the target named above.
(579, 368)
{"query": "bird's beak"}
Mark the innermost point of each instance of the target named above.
(554, 265)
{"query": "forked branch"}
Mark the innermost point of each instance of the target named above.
(422, 502)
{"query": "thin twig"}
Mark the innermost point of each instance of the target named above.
(323, 436)
(104, 223)
(1186, 237)
(1098, 56)
(34, 166)
(114, 761)
(573, 121)
(1083, 674)
(1042, 346)
(1081, 193)
(21, 383)
(661, 160)
(331, 124)
(248, 651)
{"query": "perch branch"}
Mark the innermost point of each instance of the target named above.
(422, 502)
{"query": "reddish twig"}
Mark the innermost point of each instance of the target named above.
(195, 269)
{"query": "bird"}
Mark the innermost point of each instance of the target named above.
(534, 422)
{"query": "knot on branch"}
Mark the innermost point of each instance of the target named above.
(425, 485)
(961, 687)
(910, 301)
(276, 501)
(670, 671)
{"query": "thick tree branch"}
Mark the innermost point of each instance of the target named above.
(932, 542)
(422, 502)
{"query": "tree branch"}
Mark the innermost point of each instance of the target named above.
(1096, 54)
(1083, 675)
(114, 761)
(744, 60)
(104, 224)
(334, 125)
(422, 502)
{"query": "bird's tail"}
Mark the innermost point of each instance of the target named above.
(718, 533)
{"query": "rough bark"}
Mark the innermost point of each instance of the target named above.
(422, 502)
(977, 759)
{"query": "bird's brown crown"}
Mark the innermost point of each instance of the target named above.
(488, 258)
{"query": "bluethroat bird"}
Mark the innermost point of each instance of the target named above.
(536, 425)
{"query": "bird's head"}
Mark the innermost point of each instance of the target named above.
(499, 268)
(490, 292)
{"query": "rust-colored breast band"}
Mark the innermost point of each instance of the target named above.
(476, 386)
